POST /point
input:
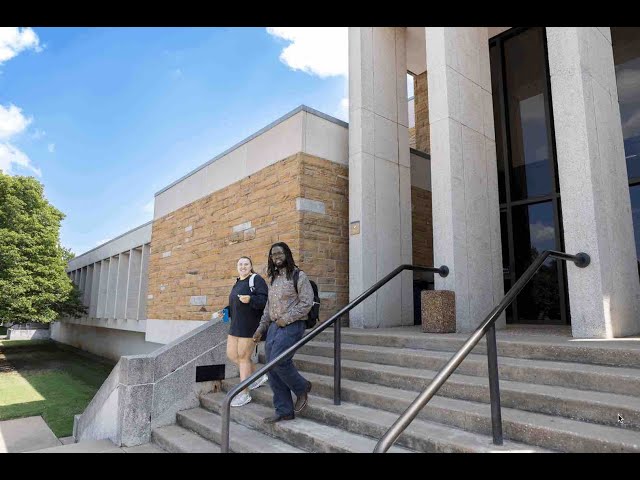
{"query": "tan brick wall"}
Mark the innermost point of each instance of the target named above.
(412, 137)
(325, 238)
(422, 226)
(203, 258)
(422, 113)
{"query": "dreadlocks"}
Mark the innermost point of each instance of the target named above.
(289, 264)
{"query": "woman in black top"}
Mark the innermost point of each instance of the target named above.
(245, 308)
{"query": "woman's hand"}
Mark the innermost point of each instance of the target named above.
(244, 298)
(215, 315)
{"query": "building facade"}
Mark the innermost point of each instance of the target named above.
(515, 141)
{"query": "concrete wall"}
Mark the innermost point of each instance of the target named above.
(105, 342)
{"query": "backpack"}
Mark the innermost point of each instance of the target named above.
(252, 289)
(314, 313)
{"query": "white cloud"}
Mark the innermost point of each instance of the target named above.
(321, 51)
(541, 232)
(148, 207)
(14, 40)
(38, 134)
(177, 73)
(51, 147)
(12, 121)
(11, 156)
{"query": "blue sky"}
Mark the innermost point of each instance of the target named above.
(106, 117)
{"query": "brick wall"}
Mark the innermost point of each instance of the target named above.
(195, 248)
(422, 226)
(422, 113)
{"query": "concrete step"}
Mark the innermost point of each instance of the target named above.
(421, 435)
(541, 347)
(619, 380)
(177, 439)
(546, 431)
(307, 434)
(242, 439)
(591, 406)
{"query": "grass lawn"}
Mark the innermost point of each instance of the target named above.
(38, 378)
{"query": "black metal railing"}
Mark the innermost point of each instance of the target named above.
(443, 271)
(486, 327)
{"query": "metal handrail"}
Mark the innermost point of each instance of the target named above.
(443, 271)
(487, 327)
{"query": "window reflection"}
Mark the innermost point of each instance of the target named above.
(626, 58)
(534, 232)
(531, 174)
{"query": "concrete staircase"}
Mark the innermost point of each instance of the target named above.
(556, 396)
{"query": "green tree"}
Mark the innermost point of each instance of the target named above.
(34, 286)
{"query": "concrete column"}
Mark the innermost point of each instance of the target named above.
(122, 286)
(466, 220)
(133, 289)
(596, 212)
(88, 285)
(101, 310)
(379, 175)
(144, 281)
(95, 289)
(111, 287)
(82, 284)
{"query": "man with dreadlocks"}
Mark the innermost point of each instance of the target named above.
(284, 322)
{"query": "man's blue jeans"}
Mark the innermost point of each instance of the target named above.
(284, 378)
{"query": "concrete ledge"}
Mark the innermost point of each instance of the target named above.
(146, 391)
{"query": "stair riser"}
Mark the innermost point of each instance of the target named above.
(579, 410)
(334, 419)
(574, 353)
(473, 422)
(166, 444)
(537, 375)
(300, 440)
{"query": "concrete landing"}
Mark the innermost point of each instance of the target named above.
(26, 434)
(100, 446)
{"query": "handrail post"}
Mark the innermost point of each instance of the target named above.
(337, 327)
(494, 386)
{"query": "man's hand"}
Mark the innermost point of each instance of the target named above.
(244, 298)
(281, 322)
(257, 336)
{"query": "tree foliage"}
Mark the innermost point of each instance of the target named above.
(34, 286)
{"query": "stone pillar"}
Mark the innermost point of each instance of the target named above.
(379, 175)
(95, 289)
(111, 287)
(133, 290)
(144, 281)
(88, 285)
(122, 286)
(596, 210)
(101, 310)
(83, 279)
(466, 221)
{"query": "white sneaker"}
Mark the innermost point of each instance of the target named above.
(241, 399)
(259, 382)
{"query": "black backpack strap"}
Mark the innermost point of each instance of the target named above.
(296, 274)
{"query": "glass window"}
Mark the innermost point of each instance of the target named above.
(534, 232)
(494, 54)
(626, 58)
(635, 213)
(525, 77)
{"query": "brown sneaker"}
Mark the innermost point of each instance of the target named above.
(301, 401)
(278, 418)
